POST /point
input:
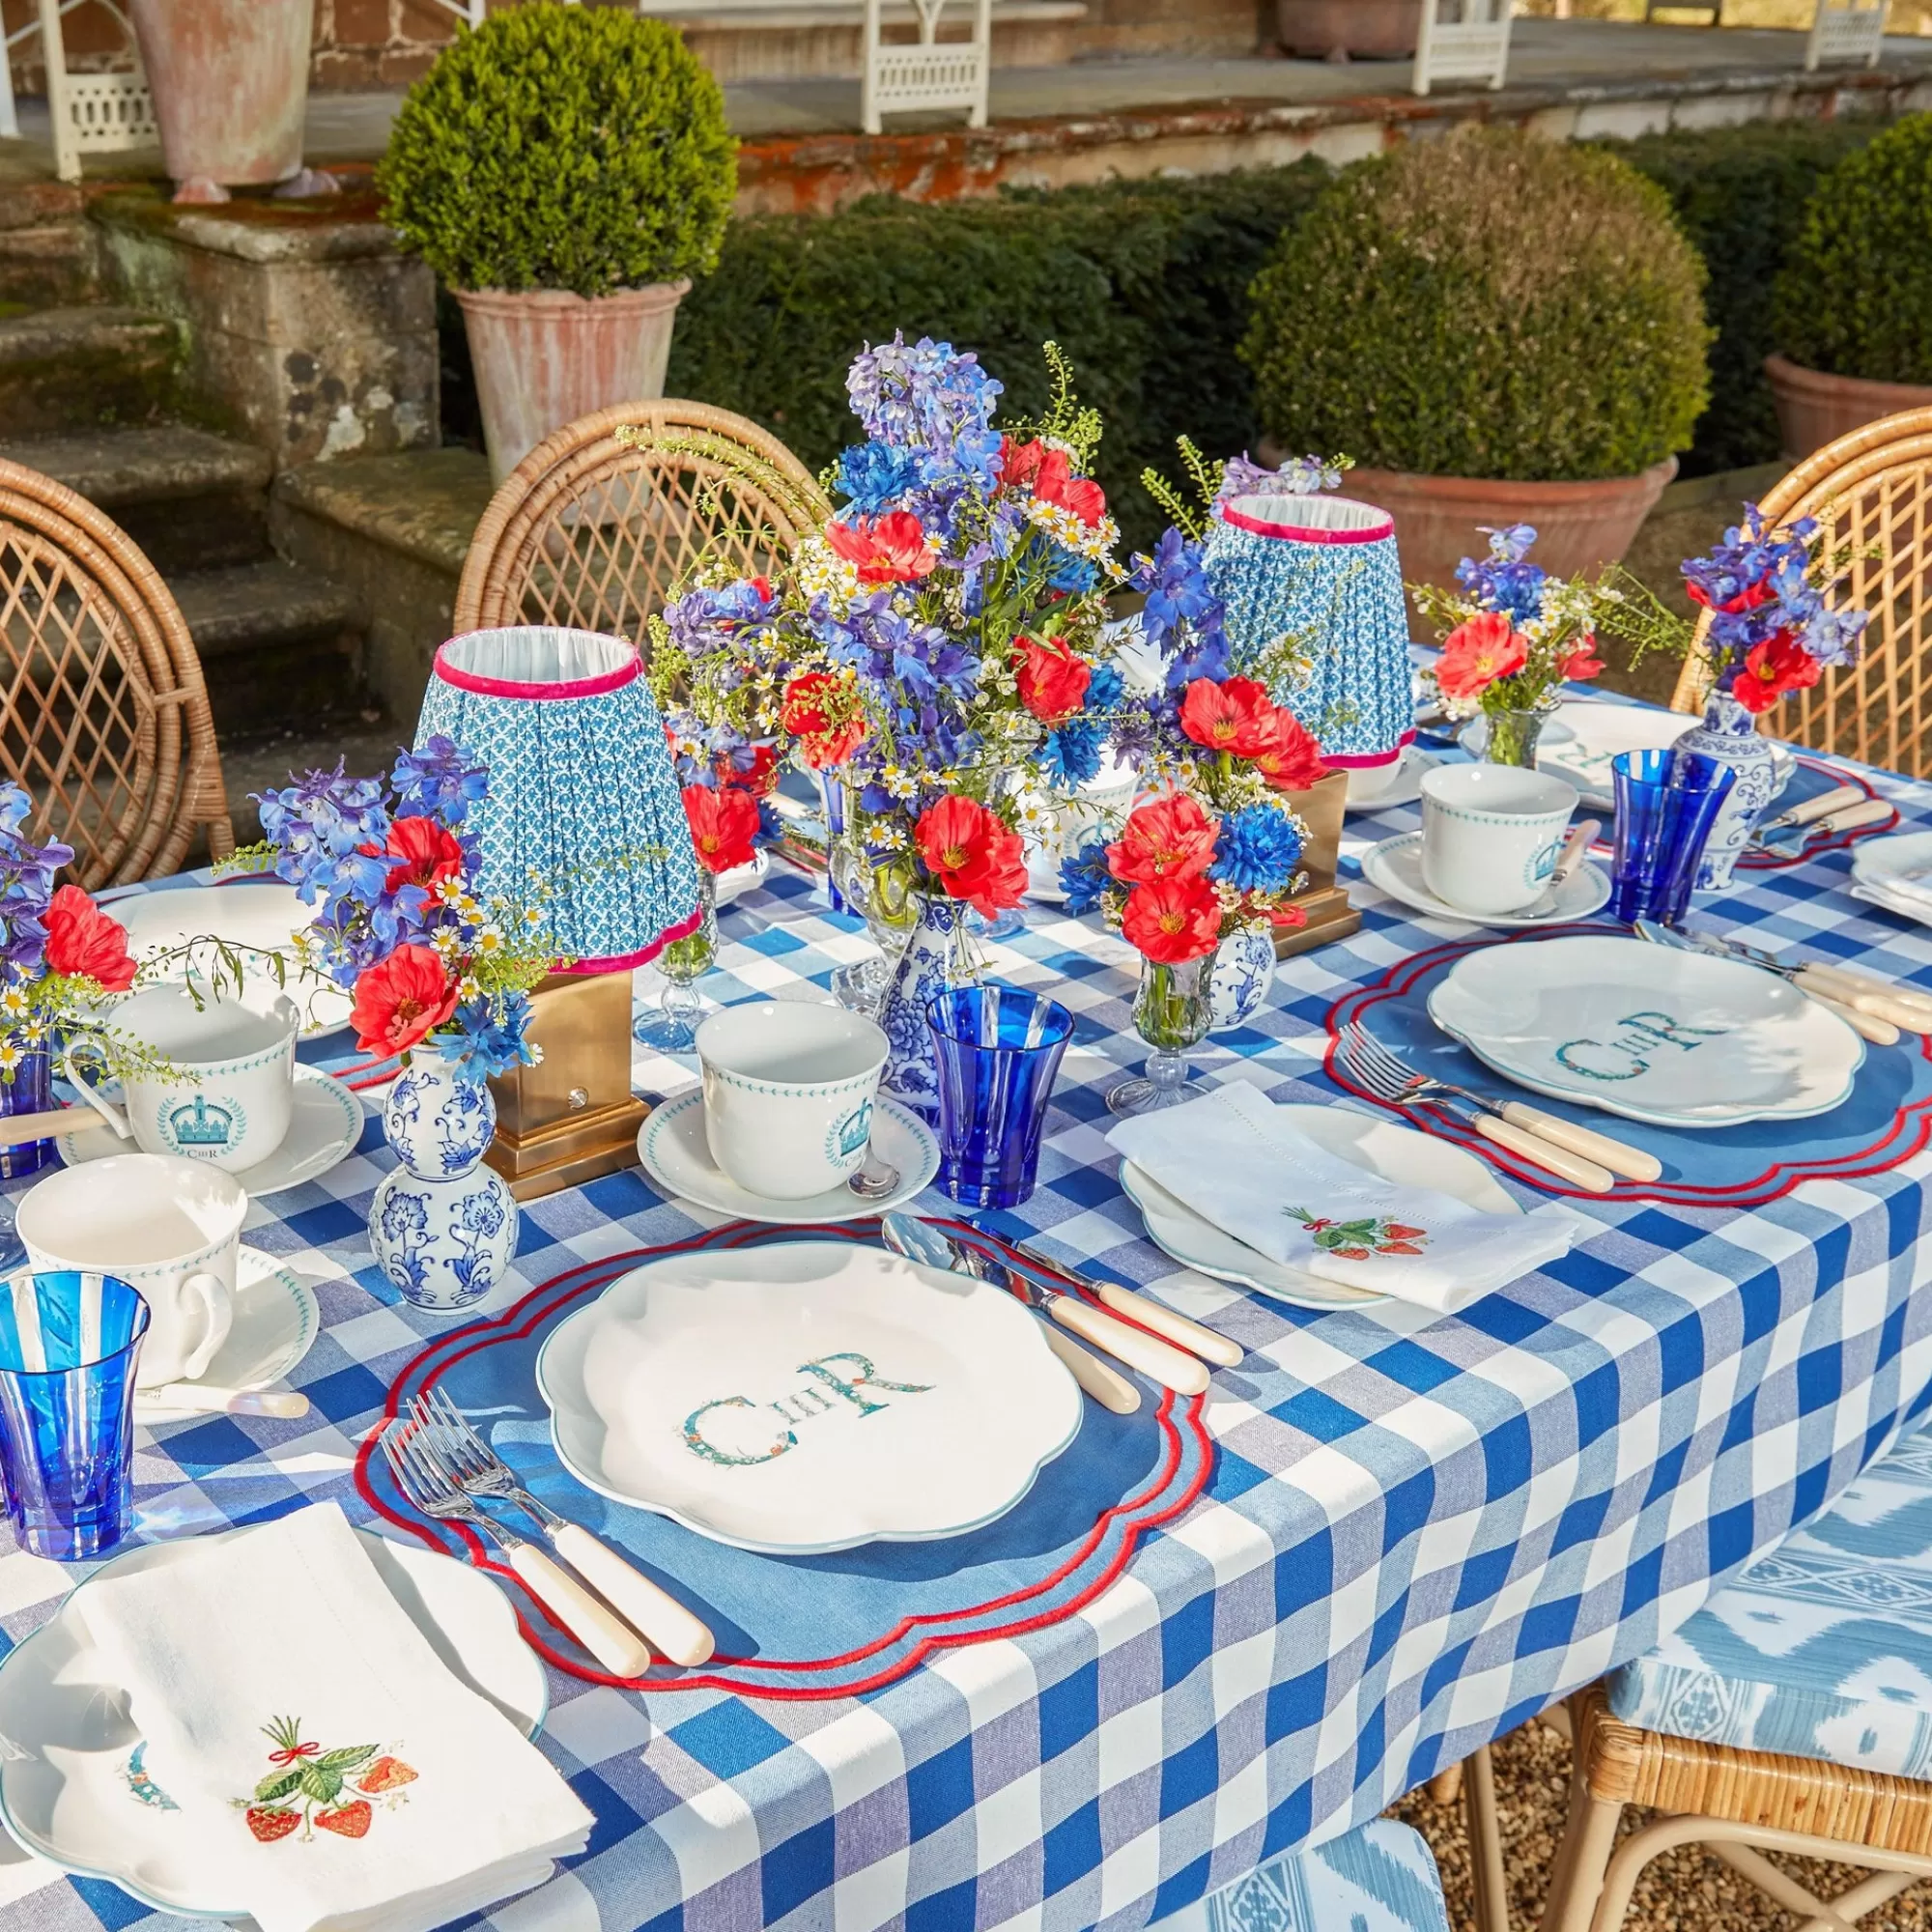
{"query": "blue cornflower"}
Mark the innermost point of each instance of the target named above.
(1104, 687)
(442, 781)
(1085, 879)
(1258, 849)
(1074, 575)
(1071, 752)
(876, 474)
(492, 1037)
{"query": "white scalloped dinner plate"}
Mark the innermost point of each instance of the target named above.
(73, 1788)
(807, 1397)
(1585, 734)
(1678, 1039)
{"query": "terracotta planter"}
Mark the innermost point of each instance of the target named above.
(544, 357)
(229, 80)
(1439, 519)
(1814, 409)
(1354, 29)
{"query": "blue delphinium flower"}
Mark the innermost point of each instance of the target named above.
(1071, 752)
(1299, 476)
(492, 1037)
(1504, 580)
(1083, 879)
(924, 396)
(1183, 619)
(26, 883)
(876, 474)
(442, 781)
(1258, 849)
(320, 823)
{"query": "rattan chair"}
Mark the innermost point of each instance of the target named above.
(104, 713)
(595, 534)
(1872, 491)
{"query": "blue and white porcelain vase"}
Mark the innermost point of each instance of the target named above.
(1244, 973)
(933, 960)
(442, 1225)
(1728, 734)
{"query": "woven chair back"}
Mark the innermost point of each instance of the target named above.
(594, 533)
(1872, 491)
(104, 713)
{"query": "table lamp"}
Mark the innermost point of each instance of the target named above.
(583, 820)
(1322, 569)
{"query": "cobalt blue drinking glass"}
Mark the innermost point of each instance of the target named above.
(997, 1052)
(29, 1091)
(1667, 804)
(69, 1342)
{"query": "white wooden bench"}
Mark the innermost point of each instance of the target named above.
(1472, 46)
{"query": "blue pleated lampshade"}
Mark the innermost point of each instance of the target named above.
(1325, 566)
(583, 799)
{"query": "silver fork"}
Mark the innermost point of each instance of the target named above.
(1588, 1160)
(424, 1479)
(479, 1471)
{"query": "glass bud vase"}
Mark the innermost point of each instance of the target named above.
(1173, 1011)
(442, 1225)
(1512, 735)
(935, 959)
(1728, 734)
(671, 1026)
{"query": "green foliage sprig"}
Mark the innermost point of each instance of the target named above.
(561, 147)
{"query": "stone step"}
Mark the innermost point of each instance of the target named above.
(281, 646)
(191, 500)
(33, 203)
(68, 368)
(48, 267)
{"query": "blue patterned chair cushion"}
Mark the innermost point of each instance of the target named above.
(1378, 1879)
(1822, 1649)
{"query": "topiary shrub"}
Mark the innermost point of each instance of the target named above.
(1492, 305)
(562, 148)
(1855, 295)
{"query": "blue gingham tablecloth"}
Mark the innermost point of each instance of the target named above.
(1418, 1532)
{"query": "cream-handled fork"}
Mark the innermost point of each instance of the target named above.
(430, 1487)
(480, 1472)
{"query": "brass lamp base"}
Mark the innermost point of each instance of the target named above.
(572, 1117)
(1330, 916)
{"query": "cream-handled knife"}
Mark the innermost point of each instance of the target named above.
(1163, 1320)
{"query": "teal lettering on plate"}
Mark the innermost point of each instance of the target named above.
(693, 1436)
(867, 1377)
(1650, 1030)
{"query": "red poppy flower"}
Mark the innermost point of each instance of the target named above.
(1760, 592)
(973, 854)
(402, 1000)
(1289, 916)
(722, 825)
(1235, 715)
(762, 776)
(1048, 473)
(82, 940)
(822, 711)
(1475, 654)
(892, 549)
(1052, 681)
(1772, 668)
(426, 851)
(1581, 662)
(1287, 756)
(1169, 837)
(1172, 920)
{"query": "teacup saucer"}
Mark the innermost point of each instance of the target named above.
(275, 1320)
(1396, 867)
(676, 1155)
(1398, 785)
(323, 1131)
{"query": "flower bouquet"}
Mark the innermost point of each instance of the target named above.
(939, 650)
(440, 976)
(1513, 638)
(1769, 633)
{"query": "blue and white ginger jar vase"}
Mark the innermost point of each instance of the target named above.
(926, 968)
(442, 1225)
(1244, 973)
(1728, 734)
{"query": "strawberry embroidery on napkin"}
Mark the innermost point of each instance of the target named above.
(1361, 1239)
(312, 1787)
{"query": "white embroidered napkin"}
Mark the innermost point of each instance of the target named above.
(1905, 893)
(1234, 1160)
(337, 1776)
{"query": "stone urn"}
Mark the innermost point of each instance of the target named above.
(230, 80)
(545, 357)
(1349, 29)
(1814, 409)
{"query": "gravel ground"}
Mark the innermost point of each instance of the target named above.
(1684, 1890)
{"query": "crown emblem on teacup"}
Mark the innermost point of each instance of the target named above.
(200, 1125)
(856, 1130)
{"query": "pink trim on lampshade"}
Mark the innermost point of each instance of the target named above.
(1371, 533)
(643, 957)
(1369, 761)
(505, 687)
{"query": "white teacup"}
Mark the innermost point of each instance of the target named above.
(230, 1103)
(1490, 834)
(789, 1094)
(171, 1229)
